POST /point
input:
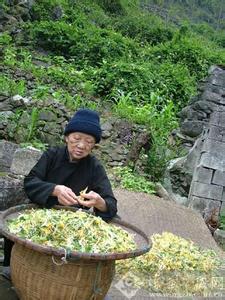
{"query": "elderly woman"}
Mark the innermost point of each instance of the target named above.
(63, 172)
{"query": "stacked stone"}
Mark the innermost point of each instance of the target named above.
(15, 163)
(207, 189)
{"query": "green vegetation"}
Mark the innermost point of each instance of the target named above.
(133, 181)
(115, 54)
(222, 220)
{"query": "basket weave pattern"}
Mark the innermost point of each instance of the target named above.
(36, 277)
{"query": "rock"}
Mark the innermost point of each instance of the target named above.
(57, 12)
(50, 139)
(7, 150)
(180, 172)
(21, 134)
(4, 117)
(219, 236)
(125, 131)
(3, 98)
(11, 192)
(48, 116)
(115, 156)
(192, 128)
(17, 100)
(162, 192)
(141, 141)
(5, 105)
(106, 134)
(180, 199)
(115, 163)
(176, 164)
(24, 160)
(204, 106)
(106, 126)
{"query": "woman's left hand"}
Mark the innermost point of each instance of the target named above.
(93, 200)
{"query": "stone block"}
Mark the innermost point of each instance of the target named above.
(7, 150)
(214, 118)
(203, 175)
(219, 236)
(24, 160)
(219, 178)
(199, 204)
(193, 157)
(222, 120)
(209, 191)
(218, 108)
(213, 146)
(223, 196)
(223, 206)
(202, 204)
(192, 128)
(215, 161)
(11, 192)
(218, 81)
(216, 133)
(212, 96)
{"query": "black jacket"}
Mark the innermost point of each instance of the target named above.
(54, 167)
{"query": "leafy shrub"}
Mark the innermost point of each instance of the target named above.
(90, 45)
(11, 87)
(5, 39)
(160, 119)
(93, 15)
(123, 77)
(222, 220)
(203, 29)
(220, 39)
(174, 81)
(112, 7)
(140, 79)
(45, 9)
(132, 181)
(144, 28)
(188, 52)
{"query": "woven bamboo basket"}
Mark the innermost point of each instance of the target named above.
(46, 273)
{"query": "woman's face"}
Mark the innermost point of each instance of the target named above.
(79, 145)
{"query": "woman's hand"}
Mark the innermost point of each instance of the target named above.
(65, 195)
(93, 200)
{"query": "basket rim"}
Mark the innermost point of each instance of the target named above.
(68, 254)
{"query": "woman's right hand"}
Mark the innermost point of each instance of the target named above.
(65, 195)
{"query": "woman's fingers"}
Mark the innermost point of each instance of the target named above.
(89, 203)
(65, 195)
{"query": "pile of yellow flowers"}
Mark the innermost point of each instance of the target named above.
(173, 266)
(77, 231)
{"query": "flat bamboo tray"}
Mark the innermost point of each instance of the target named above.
(140, 238)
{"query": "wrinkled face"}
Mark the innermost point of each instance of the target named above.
(79, 145)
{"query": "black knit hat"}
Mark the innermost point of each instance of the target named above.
(85, 121)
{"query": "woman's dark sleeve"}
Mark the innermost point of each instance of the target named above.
(102, 186)
(36, 188)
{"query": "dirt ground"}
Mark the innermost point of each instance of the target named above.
(152, 215)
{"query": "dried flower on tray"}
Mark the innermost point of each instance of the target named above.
(77, 231)
(174, 266)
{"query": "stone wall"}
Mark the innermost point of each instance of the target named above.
(15, 163)
(208, 184)
(23, 119)
(197, 179)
